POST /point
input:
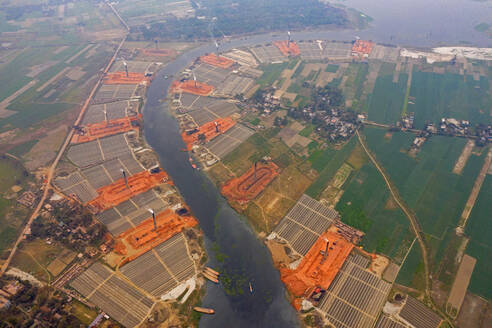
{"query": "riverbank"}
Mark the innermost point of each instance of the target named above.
(263, 161)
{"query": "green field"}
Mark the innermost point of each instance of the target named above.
(331, 68)
(356, 74)
(409, 272)
(271, 73)
(449, 95)
(386, 101)
(373, 212)
(11, 173)
(327, 162)
(479, 229)
(35, 104)
(426, 183)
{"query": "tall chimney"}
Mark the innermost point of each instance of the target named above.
(216, 127)
(153, 218)
(288, 40)
(255, 170)
(124, 177)
(326, 250)
(126, 68)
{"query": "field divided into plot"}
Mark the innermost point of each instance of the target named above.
(364, 206)
(327, 162)
(449, 95)
(426, 182)
(479, 228)
(386, 101)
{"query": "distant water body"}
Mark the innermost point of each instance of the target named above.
(424, 22)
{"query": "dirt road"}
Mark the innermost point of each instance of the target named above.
(51, 170)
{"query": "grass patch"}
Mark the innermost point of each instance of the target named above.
(23, 148)
(409, 272)
(83, 313)
(482, 27)
(331, 68)
(306, 132)
(32, 114)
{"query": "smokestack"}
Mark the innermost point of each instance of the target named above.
(126, 68)
(288, 39)
(153, 218)
(255, 170)
(216, 127)
(124, 177)
(326, 250)
(105, 115)
(217, 49)
(194, 78)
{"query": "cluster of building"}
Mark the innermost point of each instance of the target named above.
(339, 125)
(406, 121)
(11, 289)
(66, 221)
(452, 126)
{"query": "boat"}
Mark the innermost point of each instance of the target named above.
(204, 310)
(212, 271)
(210, 277)
(250, 288)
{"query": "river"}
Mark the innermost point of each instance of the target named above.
(228, 238)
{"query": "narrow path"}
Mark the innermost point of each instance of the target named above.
(415, 227)
(413, 220)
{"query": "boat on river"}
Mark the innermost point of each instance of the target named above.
(204, 310)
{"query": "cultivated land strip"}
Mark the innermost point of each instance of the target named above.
(51, 170)
(475, 191)
(413, 222)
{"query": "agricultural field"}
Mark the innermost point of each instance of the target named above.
(55, 82)
(367, 205)
(153, 11)
(34, 257)
(430, 188)
(353, 83)
(49, 67)
(435, 96)
(13, 180)
(386, 101)
(479, 229)
(271, 73)
(70, 22)
(326, 163)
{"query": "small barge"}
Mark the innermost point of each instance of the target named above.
(204, 310)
